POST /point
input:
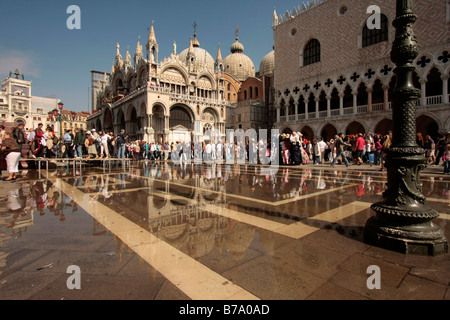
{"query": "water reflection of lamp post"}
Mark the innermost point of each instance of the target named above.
(403, 222)
(60, 117)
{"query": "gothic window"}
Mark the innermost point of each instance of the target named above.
(312, 52)
(374, 36)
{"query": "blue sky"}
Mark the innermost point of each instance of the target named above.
(58, 61)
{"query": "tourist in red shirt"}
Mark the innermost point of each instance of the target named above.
(359, 145)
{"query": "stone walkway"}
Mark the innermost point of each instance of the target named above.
(165, 232)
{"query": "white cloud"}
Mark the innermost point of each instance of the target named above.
(11, 60)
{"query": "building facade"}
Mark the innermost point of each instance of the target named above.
(334, 74)
(17, 105)
(177, 99)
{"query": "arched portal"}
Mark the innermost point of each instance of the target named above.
(158, 122)
(181, 123)
(328, 132)
(133, 122)
(434, 86)
(108, 121)
(307, 133)
(384, 126)
(121, 120)
(427, 126)
(354, 128)
(98, 125)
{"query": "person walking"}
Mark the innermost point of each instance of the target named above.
(340, 148)
(19, 135)
(166, 151)
(89, 143)
(387, 142)
(11, 152)
(359, 147)
(104, 149)
(121, 143)
(68, 144)
(446, 157)
(39, 141)
(430, 148)
(78, 142)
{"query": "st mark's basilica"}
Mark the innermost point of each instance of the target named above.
(176, 99)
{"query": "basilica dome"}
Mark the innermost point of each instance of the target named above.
(267, 64)
(237, 64)
(202, 57)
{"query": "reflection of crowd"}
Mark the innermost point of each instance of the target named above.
(39, 196)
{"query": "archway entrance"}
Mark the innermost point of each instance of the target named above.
(108, 121)
(427, 126)
(158, 123)
(383, 127)
(307, 133)
(328, 132)
(181, 124)
(354, 128)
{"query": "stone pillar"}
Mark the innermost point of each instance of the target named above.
(296, 110)
(278, 114)
(317, 108)
(306, 110)
(386, 97)
(328, 106)
(423, 98)
(444, 78)
(341, 104)
(369, 99)
(355, 102)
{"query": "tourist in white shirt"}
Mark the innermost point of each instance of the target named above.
(104, 138)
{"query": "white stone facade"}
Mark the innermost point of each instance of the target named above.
(18, 105)
(179, 97)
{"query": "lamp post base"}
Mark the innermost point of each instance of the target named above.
(422, 239)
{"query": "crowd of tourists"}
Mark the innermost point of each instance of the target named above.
(291, 149)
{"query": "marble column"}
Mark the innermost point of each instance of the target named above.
(328, 106)
(386, 97)
(444, 78)
(369, 99)
(423, 88)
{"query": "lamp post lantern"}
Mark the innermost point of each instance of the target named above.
(403, 222)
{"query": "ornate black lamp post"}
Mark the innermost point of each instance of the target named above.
(403, 222)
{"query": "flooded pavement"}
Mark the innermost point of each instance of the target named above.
(164, 231)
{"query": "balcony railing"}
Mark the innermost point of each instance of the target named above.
(335, 113)
(378, 107)
(348, 110)
(362, 109)
(323, 114)
(435, 100)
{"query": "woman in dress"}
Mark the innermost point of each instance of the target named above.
(11, 152)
